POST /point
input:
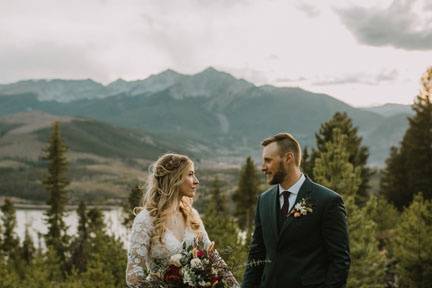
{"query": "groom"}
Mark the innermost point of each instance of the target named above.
(300, 238)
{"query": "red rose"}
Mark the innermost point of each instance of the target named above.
(172, 274)
(215, 279)
(200, 254)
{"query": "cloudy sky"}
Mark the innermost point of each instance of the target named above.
(361, 52)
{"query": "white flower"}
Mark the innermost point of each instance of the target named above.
(175, 260)
(196, 263)
(204, 283)
(187, 277)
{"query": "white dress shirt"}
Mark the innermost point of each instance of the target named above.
(294, 189)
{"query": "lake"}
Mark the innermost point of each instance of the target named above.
(34, 219)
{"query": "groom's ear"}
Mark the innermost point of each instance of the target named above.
(289, 157)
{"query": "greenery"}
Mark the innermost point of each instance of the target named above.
(55, 182)
(245, 197)
(134, 200)
(223, 229)
(357, 153)
(409, 167)
(412, 245)
(333, 169)
(389, 233)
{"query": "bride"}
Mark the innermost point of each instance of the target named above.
(166, 219)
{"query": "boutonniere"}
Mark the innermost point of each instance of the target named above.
(302, 208)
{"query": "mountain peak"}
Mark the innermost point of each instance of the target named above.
(169, 72)
(210, 69)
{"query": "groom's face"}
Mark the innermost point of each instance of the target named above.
(273, 164)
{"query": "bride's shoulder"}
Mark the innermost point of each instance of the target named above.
(143, 218)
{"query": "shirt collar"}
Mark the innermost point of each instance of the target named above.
(295, 188)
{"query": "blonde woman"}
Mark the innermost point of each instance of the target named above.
(166, 219)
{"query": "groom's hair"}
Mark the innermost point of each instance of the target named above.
(286, 143)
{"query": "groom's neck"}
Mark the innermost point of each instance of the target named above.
(292, 177)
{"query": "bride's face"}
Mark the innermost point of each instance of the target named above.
(190, 183)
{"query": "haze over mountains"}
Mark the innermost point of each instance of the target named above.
(211, 111)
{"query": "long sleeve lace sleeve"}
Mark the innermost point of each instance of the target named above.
(138, 250)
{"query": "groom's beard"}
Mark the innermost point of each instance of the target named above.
(279, 175)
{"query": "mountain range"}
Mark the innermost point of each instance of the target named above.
(207, 111)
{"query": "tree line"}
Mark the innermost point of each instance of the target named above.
(390, 232)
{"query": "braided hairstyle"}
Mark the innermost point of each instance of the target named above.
(163, 192)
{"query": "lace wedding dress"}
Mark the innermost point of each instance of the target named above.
(139, 260)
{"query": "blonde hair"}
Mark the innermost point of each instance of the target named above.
(163, 192)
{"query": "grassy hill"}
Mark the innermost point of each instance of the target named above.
(105, 161)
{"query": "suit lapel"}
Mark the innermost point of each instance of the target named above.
(303, 193)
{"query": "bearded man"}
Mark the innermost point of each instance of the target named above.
(300, 238)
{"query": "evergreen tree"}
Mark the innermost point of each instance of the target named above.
(412, 160)
(393, 182)
(368, 263)
(28, 249)
(55, 183)
(107, 252)
(134, 200)
(357, 153)
(245, 196)
(217, 197)
(386, 217)
(10, 243)
(80, 247)
(413, 248)
(224, 231)
(96, 225)
(333, 169)
(306, 163)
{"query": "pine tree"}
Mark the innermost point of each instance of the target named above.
(28, 249)
(55, 183)
(333, 169)
(386, 217)
(10, 243)
(80, 246)
(217, 196)
(134, 200)
(357, 153)
(245, 196)
(412, 245)
(224, 231)
(107, 252)
(368, 263)
(393, 182)
(306, 163)
(412, 161)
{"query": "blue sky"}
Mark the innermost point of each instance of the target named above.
(361, 52)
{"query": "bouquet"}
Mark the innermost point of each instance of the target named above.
(194, 266)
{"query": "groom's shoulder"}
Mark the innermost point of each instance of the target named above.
(267, 193)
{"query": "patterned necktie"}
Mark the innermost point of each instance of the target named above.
(285, 205)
